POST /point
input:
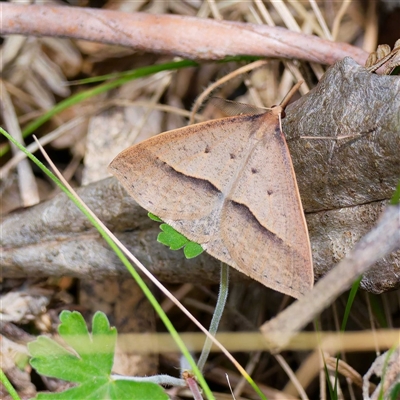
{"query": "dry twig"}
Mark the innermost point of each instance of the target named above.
(171, 34)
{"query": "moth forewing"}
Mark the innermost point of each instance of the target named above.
(229, 185)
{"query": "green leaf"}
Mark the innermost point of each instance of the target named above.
(174, 240)
(396, 71)
(171, 238)
(154, 217)
(88, 361)
(350, 301)
(109, 389)
(395, 392)
(395, 200)
(192, 250)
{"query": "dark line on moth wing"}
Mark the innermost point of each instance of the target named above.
(244, 210)
(204, 182)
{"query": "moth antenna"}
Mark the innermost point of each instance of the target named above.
(280, 122)
(292, 91)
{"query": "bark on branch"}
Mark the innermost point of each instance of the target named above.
(189, 37)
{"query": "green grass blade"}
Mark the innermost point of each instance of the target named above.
(79, 97)
(349, 304)
(395, 200)
(127, 264)
(118, 79)
(124, 78)
(7, 384)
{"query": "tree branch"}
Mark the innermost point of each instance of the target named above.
(189, 37)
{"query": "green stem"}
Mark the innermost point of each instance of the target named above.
(219, 309)
(127, 264)
(350, 301)
(7, 384)
(396, 196)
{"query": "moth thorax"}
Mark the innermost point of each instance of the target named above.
(278, 110)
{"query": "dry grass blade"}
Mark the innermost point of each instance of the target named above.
(321, 19)
(292, 376)
(371, 27)
(343, 369)
(306, 373)
(27, 184)
(33, 147)
(379, 242)
(387, 367)
(338, 18)
(144, 270)
(264, 13)
(206, 93)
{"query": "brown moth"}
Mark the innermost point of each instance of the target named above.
(229, 185)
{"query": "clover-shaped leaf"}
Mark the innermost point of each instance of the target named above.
(87, 361)
(175, 240)
(154, 217)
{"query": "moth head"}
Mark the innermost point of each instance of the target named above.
(278, 110)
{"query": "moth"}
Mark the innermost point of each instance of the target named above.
(229, 185)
